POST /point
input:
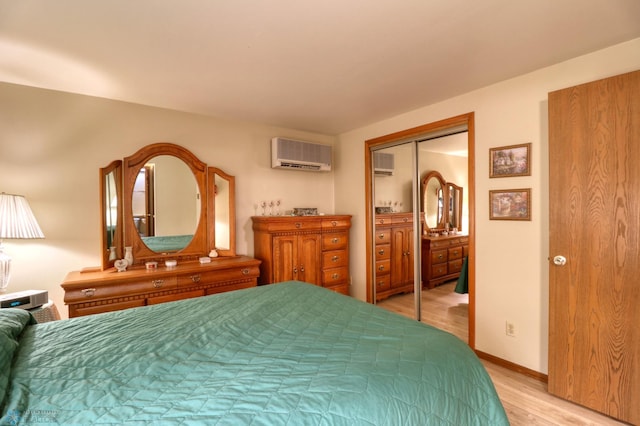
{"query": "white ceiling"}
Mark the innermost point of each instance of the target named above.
(326, 66)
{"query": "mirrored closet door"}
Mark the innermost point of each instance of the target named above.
(417, 190)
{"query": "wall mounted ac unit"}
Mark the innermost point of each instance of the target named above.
(299, 155)
(383, 164)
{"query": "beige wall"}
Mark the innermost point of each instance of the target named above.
(511, 257)
(52, 145)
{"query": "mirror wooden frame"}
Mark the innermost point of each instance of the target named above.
(204, 237)
(114, 167)
(446, 195)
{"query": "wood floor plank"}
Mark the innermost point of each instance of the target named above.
(524, 398)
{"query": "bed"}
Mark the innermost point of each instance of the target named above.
(288, 353)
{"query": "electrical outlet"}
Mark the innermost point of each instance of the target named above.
(510, 329)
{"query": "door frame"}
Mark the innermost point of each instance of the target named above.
(467, 119)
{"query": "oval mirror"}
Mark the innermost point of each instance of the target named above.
(433, 202)
(164, 183)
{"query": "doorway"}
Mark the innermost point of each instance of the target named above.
(403, 139)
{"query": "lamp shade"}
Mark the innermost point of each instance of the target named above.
(17, 219)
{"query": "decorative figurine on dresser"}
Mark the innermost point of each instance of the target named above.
(153, 252)
(310, 248)
(444, 246)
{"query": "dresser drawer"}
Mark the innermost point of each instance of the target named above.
(438, 270)
(101, 291)
(455, 253)
(383, 236)
(383, 282)
(335, 276)
(383, 267)
(383, 220)
(438, 256)
(383, 251)
(334, 259)
(335, 223)
(90, 309)
(209, 277)
(405, 219)
(339, 240)
(174, 297)
(455, 266)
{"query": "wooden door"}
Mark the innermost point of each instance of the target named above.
(402, 256)
(594, 222)
(285, 254)
(309, 258)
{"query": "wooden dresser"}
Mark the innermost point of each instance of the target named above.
(104, 291)
(442, 258)
(394, 254)
(313, 249)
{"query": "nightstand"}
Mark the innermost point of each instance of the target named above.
(45, 313)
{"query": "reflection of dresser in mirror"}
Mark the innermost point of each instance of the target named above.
(394, 254)
(442, 258)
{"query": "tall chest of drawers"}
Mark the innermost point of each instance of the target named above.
(394, 254)
(442, 258)
(313, 249)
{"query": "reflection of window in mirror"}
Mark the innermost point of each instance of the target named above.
(111, 201)
(142, 204)
(222, 213)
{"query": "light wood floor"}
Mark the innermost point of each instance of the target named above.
(525, 399)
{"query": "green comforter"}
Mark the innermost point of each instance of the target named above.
(288, 353)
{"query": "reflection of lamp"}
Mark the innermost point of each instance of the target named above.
(16, 221)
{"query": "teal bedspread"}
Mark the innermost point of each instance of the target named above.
(289, 353)
(167, 243)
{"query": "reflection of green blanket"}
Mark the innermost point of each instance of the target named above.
(168, 243)
(462, 286)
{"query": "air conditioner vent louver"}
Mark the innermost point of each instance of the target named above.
(383, 163)
(299, 155)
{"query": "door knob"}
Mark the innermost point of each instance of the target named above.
(559, 260)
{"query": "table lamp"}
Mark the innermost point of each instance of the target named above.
(16, 221)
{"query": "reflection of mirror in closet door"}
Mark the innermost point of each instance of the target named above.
(394, 251)
(448, 156)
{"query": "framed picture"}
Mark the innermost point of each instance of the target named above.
(510, 204)
(512, 160)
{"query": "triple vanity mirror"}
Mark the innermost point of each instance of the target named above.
(164, 202)
(441, 203)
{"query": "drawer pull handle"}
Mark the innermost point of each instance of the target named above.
(298, 225)
(455, 252)
(381, 221)
(195, 278)
(380, 283)
(157, 283)
(302, 268)
(88, 292)
(295, 270)
(440, 256)
(381, 252)
(381, 236)
(381, 268)
(335, 276)
(335, 240)
(405, 219)
(245, 271)
(335, 258)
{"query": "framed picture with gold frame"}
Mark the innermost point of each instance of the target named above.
(510, 204)
(509, 161)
